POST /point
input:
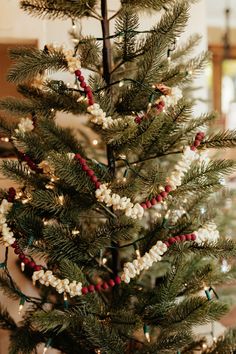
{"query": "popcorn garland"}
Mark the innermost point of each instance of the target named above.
(5, 207)
(131, 269)
(26, 125)
(170, 96)
(98, 115)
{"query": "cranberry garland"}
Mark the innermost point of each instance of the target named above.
(198, 139)
(87, 89)
(32, 165)
(90, 173)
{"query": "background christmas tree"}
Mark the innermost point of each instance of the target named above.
(90, 224)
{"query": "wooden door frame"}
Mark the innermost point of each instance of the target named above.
(218, 55)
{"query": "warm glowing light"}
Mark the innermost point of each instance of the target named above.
(22, 265)
(95, 142)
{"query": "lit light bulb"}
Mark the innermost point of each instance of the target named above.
(121, 83)
(52, 109)
(95, 142)
(22, 265)
(75, 232)
(147, 335)
(104, 260)
(204, 346)
(138, 253)
(75, 86)
(61, 199)
(45, 350)
(20, 309)
(25, 201)
(65, 297)
(124, 179)
(5, 139)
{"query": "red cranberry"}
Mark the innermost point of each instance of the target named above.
(148, 204)
(94, 179)
(98, 287)
(83, 84)
(91, 288)
(90, 172)
(153, 201)
(117, 280)
(167, 243)
(188, 237)
(196, 143)
(77, 156)
(111, 282)
(37, 268)
(21, 256)
(84, 290)
(143, 205)
(164, 194)
(193, 237)
(77, 72)
(26, 260)
(32, 264)
(171, 240)
(193, 148)
(159, 198)
(183, 238)
(177, 238)
(85, 168)
(168, 188)
(97, 185)
(105, 286)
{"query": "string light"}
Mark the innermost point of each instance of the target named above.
(75, 232)
(61, 199)
(146, 333)
(204, 346)
(49, 186)
(121, 83)
(5, 139)
(47, 345)
(104, 260)
(98, 351)
(21, 305)
(25, 201)
(95, 142)
(22, 265)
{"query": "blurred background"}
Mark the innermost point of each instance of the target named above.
(214, 20)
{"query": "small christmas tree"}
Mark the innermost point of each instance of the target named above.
(118, 235)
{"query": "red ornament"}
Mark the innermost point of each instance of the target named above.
(97, 185)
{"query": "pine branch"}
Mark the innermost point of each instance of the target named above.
(126, 23)
(58, 9)
(31, 61)
(225, 139)
(6, 321)
(148, 5)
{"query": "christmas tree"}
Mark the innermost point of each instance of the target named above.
(119, 235)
